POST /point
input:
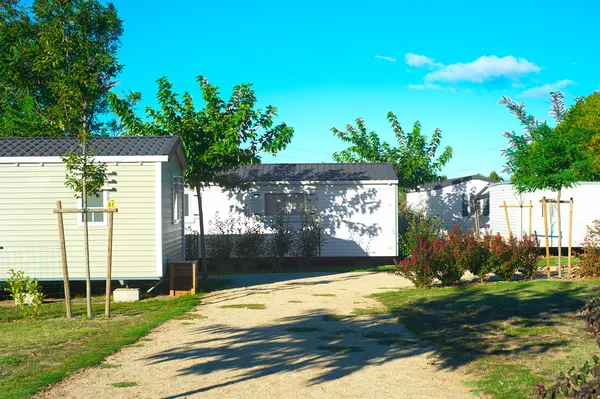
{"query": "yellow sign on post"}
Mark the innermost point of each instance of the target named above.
(111, 204)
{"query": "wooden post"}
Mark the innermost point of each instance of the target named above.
(172, 278)
(194, 277)
(507, 220)
(109, 264)
(530, 215)
(570, 236)
(545, 209)
(63, 258)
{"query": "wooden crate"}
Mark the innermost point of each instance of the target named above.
(183, 277)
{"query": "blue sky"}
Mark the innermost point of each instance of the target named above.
(326, 63)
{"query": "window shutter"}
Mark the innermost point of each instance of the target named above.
(256, 204)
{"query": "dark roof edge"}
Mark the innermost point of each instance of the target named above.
(450, 182)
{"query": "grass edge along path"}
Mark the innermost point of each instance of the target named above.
(50, 349)
(508, 336)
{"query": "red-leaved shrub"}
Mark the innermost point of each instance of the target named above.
(418, 268)
(447, 258)
(590, 260)
(527, 256)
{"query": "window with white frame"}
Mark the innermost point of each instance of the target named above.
(177, 198)
(289, 203)
(94, 201)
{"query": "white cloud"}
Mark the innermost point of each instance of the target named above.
(428, 86)
(543, 91)
(385, 58)
(483, 69)
(420, 61)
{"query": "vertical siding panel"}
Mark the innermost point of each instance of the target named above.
(28, 228)
(446, 202)
(358, 220)
(172, 233)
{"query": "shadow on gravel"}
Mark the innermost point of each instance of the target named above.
(245, 285)
(332, 348)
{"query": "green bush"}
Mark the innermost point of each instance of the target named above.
(192, 244)
(418, 224)
(26, 292)
(249, 242)
(281, 240)
(220, 242)
(309, 236)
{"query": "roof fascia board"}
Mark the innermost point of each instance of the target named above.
(112, 158)
(322, 182)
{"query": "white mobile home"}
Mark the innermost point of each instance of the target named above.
(357, 203)
(145, 180)
(585, 210)
(450, 200)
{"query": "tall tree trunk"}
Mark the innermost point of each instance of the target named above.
(202, 236)
(86, 244)
(559, 234)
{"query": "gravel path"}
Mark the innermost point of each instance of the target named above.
(297, 347)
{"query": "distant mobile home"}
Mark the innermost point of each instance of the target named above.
(585, 210)
(450, 200)
(357, 203)
(145, 179)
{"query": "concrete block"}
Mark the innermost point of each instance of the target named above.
(126, 294)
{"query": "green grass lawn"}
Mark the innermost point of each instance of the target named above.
(35, 354)
(509, 335)
(554, 261)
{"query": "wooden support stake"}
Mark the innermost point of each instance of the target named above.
(546, 235)
(194, 278)
(507, 221)
(63, 258)
(530, 216)
(570, 236)
(172, 278)
(109, 264)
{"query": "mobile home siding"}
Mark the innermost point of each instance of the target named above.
(359, 219)
(447, 202)
(585, 211)
(29, 230)
(172, 232)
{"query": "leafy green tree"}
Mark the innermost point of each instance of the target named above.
(585, 115)
(542, 158)
(217, 138)
(414, 158)
(495, 176)
(58, 61)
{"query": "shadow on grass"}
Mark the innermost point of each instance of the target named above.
(331, 349)
(502, 320)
